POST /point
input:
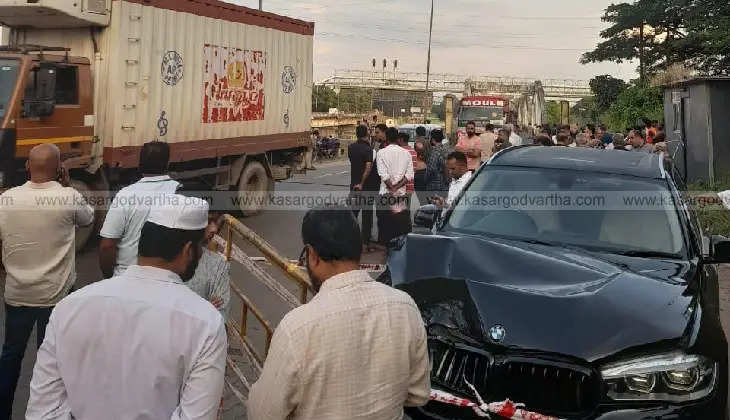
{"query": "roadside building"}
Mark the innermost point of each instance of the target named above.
(696, 125)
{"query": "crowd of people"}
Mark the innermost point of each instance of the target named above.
(386, 173)
(649, 137)
(149, 341)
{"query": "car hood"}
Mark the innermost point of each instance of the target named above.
(550, 299)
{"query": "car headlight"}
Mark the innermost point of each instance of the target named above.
(674, 377)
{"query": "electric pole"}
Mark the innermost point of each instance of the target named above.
(428, 63)
(261, 4)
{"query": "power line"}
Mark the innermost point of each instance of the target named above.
(420, 43)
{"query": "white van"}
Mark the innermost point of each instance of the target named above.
(410, 129)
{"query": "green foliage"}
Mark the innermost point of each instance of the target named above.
(714, 218)
(695, 33)
(606, 89)
(348, 100)
(323, 98)
(355, 100)
(585, 112)
(552, 112)
(633, 104)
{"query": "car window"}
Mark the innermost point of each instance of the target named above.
(592, 210)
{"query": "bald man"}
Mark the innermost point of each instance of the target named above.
(38, 222)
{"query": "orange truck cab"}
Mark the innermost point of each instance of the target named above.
(44, 99)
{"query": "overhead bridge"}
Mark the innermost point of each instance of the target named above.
(570, 90)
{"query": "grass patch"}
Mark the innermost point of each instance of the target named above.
(713, 217)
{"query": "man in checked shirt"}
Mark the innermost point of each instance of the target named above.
(357, 350)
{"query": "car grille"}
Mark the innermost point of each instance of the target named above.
(547, 386)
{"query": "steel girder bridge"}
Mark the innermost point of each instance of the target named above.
(555, 89)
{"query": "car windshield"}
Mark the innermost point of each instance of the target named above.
(595, 211)
(481, 113)
(8, 78)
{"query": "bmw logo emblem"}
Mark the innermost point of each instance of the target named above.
(497, 333)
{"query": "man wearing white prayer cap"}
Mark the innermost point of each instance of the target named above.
(142, 344)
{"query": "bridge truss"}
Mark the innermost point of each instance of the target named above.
(555, 89)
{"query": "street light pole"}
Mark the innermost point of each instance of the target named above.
(261, 4)
(428, 61)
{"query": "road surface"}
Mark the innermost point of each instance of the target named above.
(282, 229)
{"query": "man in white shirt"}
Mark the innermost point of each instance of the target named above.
(514, 138)
(130, 208)
(460, 176)
(38, 223)
(357, 351)
(395, 167)
(139, 345)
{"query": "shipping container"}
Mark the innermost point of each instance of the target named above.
(226, 86)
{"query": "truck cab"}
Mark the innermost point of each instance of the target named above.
(43, 99)
(482, 110)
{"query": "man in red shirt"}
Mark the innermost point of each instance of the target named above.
(403, 142)
(471, 146)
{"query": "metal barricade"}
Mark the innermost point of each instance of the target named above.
(232, 231)
(225, 242)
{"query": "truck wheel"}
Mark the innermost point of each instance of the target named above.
(83, 234)
(255, 187)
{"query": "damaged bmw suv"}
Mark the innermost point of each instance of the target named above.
(573, 281)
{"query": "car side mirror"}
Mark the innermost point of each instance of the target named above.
(719, 250)
(426, 216)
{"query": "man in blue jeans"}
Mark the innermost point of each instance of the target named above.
(38, 223)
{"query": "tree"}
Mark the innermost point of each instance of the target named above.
(323, 98)
(606, 89)
(626, 39)
(708, 23)
(552, 112)
(355, 100)
(635, 103)
(585, 112)
(662, 33)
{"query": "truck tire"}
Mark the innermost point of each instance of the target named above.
(255, 187)
(84, 234)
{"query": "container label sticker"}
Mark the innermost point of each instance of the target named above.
(171, 70)
(288, 80)
(233, 84)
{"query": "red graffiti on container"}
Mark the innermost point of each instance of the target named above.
(233, 84)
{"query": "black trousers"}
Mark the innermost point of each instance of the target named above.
(364, 201)
(391, 226)
(19, 323)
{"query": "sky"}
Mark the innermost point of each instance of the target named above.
(541, 39)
